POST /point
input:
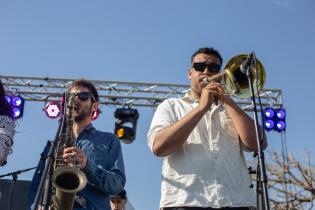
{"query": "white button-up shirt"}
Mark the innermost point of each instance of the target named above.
(209, 170)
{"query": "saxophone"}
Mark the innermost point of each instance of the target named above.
(67, 180)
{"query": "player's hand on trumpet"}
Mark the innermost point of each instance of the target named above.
(212, 93)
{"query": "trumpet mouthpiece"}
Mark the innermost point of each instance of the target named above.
(205, 80)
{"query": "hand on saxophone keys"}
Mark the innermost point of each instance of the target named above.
(75, 156)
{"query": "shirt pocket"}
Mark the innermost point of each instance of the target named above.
(228, 128)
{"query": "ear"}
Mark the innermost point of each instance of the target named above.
(190, 71)
(95, 106)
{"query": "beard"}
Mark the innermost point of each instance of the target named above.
(82, 113)
(197, 85)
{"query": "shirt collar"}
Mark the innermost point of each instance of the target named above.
(187, 97)
(88, 129)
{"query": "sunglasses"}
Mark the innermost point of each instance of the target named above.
(212, 67)
(83, 96)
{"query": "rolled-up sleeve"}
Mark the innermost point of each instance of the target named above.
(162, 118)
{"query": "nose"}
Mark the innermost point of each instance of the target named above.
(77, 98)
(206, 71)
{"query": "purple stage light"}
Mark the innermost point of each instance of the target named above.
(16, 104)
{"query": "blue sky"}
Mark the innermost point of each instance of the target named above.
(152, 41)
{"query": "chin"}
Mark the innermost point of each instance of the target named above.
(77, 118)
(202, 85)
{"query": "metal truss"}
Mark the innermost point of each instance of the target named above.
(120, 93)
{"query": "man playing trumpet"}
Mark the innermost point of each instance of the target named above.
(202, 137)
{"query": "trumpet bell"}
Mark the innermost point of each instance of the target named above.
(237, 83)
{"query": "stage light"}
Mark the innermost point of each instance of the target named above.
(126, 124)
(52, 109)
(17, 105)
(274, 119)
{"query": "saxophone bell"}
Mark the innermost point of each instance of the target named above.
(67, 180)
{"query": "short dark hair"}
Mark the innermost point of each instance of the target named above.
(122, 195)
(208, 51)
(5, 106)
(87, 84)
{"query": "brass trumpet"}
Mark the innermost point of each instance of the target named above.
(235, 82)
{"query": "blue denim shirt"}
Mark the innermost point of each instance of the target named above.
(104, 170)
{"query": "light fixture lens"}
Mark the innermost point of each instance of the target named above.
(269, 113)
(281, 125)
(269, 124)
(281, 114)
(53, 109)
(120, 132)
(16, 112)
(16, 101)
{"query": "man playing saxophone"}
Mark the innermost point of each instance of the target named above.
(98, 154)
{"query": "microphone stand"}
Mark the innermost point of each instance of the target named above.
(261, 169)
(12, 184)
(42, 194)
